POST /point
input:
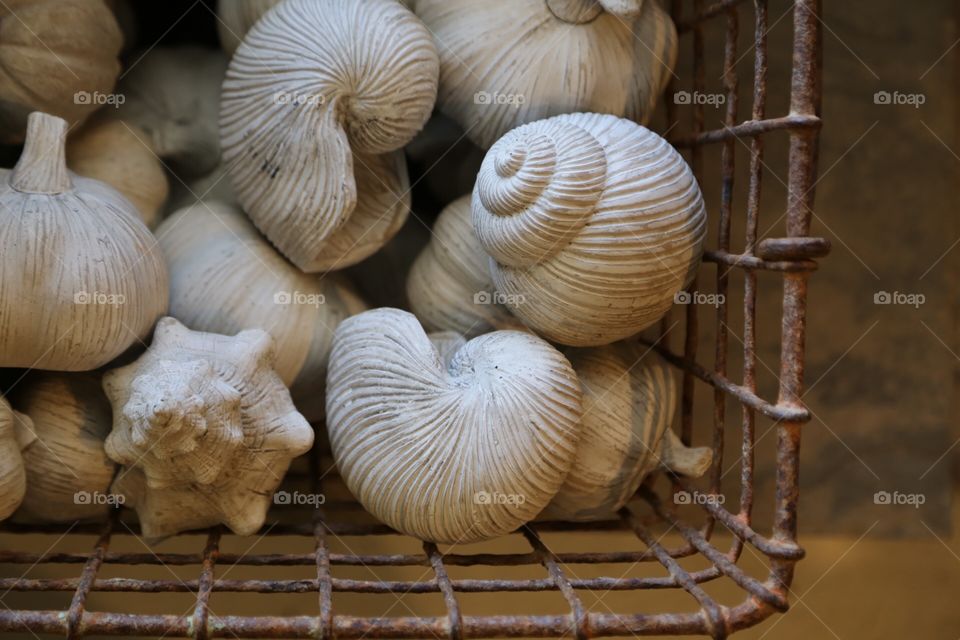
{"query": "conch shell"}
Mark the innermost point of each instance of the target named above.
(504, 63)
(317, 101)
(593, 224)
(16, 434)
(454, 449)
(205, 428)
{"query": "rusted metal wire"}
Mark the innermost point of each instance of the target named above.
(792, 256)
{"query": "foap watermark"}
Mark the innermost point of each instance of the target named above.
(897, 98)
(899, 298)
(495, 297)
(695, 497)
(299, 99)
(698, 97)
(299, 298)
(496, 98)
(99, 99)
(297, 498)
(896, 498)
(697, 297)
(491, 498)
(98, 498)
(99, 298)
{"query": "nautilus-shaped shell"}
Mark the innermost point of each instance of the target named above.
(205, 428)
(450, 449)
(629, 399)
(317, 101)
(449, 285)
(16, 434)
(504, 63)
(593, 224)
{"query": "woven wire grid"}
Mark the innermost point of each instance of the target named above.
(792, 256)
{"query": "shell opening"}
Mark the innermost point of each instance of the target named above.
(42, 167)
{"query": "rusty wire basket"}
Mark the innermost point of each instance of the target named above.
(792, 256)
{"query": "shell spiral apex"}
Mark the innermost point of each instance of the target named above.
(316, 89)
(456, 445)
(593, 224)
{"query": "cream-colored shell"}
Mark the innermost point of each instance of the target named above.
(122, 156)
(57, 56)
(66, 466)
(629, 399)
(504, 63)
(16, 434)
(449, 285)
(456, 451)
(82, 279)
(205, 428)
(593, 224)
(316, 101)
(173, 94)
(225, 277)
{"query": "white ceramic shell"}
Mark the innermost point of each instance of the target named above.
(593, 224)
(225, 277)
(456, 451)
(82, 279)
(504, 63)
(16, 434)
(317, 99)
(205, 428)
(449, 285)
(66, 466)
(629, 399)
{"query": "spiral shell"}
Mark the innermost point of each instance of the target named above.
(317, 90)
(593, 224)
(205, 428)
(504, 63)
(16, 434)
(455, 451)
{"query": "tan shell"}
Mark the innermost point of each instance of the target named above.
(82, 279)
(16, 434)
(57, 56)
(122, 156)
(68, 471)
(593, 224)
(449, 285)
(225, 277)
(504, 63)
(309, 116)
(205, 428)
(173, 94)
(629, 399)
(456, 451)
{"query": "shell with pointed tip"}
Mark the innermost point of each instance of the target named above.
(316, 100)
(57, 56)
(593, 224)
(16, 434)
(82, 279)
(225, 277)
(71, 419)
(205, 428)
(449, 285)
(122, 156)
(456, 451)
(629, 399)
(504, 63)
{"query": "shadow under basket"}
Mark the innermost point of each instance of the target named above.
(692, 561)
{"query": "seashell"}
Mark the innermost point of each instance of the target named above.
(16, 434)
(593, 224)
(504, 63)
(82, 279)
(205, 428)
(67, 464)
(449, 285)
(629, 399)
(173, 94)
(57, 56)
(310, 121)
(226, 278)
(121, 155)
(455, 451)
